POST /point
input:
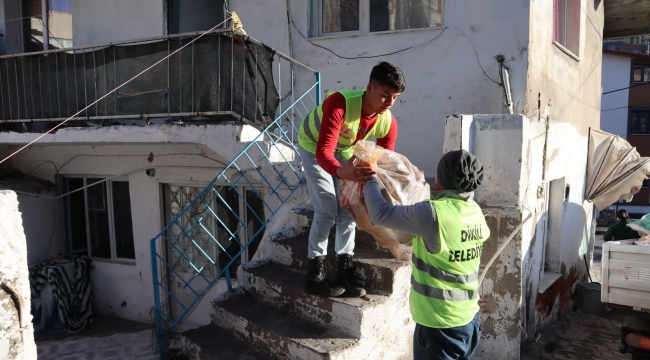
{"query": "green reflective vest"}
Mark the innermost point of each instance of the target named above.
(444, 290)
(309, 129)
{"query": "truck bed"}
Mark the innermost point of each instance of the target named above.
(626, 274)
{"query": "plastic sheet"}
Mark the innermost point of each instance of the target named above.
(401, 183)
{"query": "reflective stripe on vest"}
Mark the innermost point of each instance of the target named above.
(444, 285)
(442, 294)
(443, 275)
(310, 126)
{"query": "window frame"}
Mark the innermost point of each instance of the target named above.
(566, 19)
(108, 183)
(629, 120)
(638, 64)
(316, 28)
(26, 28)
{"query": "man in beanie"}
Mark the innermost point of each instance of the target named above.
(449, 233)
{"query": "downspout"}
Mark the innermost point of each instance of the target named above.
(505, 80)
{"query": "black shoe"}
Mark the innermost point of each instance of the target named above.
(316, 281)
(347, 278)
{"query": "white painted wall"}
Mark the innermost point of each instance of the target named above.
(125, 290)
(443, 75)
(42, 219)
(616, 75)
(97, 21)
(564, 93)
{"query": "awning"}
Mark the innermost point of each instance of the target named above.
(614, 169)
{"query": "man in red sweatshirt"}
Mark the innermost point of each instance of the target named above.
(327, 136)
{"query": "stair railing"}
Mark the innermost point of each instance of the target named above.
(195, 250)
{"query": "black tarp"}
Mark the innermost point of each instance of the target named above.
(215, 73)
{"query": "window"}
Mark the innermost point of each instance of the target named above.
(55, 29)
(639, 122)
(640, 73)
(364, 16)
(98, 218)
(566, 24)
(193, 15)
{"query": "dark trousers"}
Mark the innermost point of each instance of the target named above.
(458, 343)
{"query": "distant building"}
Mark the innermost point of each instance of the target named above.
(625, 108)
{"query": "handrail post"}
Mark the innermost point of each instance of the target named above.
(318, 87)
(228, 282)
(156, 297)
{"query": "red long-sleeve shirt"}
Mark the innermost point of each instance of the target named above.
(333, 118)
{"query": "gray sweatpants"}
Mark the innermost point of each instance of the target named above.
(324, 191)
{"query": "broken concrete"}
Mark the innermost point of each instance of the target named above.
(16, 331)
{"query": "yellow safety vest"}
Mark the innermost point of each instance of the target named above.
(310, 127)
(444, 290)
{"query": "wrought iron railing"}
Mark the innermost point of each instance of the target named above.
(205, 241)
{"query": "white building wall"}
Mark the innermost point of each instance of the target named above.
(42, 219)
(98, 22)
(443, 71)
(616, 75)
(564, 93)
(125, 289)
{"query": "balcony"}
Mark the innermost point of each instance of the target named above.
(219, 77)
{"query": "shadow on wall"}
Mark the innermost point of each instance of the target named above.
(540, 309)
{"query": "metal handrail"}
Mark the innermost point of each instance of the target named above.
(233, 174)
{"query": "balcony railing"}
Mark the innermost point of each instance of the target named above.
(218, 77)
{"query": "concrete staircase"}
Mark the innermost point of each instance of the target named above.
(270, 316)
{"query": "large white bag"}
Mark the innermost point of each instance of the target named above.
(401, 183)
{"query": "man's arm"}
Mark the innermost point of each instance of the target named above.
(328, 134)
(419, 219)
(388, 141)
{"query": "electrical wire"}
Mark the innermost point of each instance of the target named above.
(629, 87)
(110, 178)
(623, 107)
(365, 56)
(112, 91)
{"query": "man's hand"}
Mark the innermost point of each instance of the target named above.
(355, 173)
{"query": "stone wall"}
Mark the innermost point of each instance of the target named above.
(16, 332)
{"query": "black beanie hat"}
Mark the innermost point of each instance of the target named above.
(460, 170)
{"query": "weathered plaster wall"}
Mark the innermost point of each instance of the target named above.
(443, 75)
(509, 194)
(43, 226)
(566, 93)
(615, 75)
(97, 22)
(16, 332)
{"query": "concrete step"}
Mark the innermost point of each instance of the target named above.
(213, 343)
(375, 267)
(282, 287)
(279, 333)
